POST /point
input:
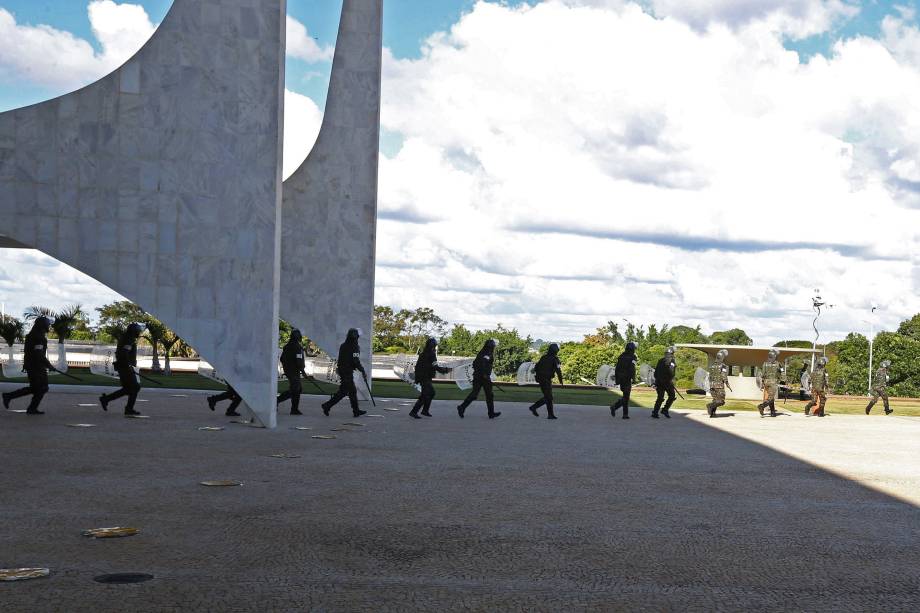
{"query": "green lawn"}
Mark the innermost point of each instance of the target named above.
(512, 393)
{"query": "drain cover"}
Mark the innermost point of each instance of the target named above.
(123, 578)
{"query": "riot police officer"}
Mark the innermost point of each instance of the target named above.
(718, 379)
(482, 380)
(126, 366)
(819, 385)
(624, 374)
(232, 395)
(292, 363)
(349, 361)
(425, 368)
(547, 367)
(880, 388)
(665, 371)
(770, 374)
(36, 365)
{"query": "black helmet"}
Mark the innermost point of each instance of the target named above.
(491, 343)
(631, 347)
(431, 343)
(296, 336)
(553, 349)
(136, 329)
(353, 334)
(43, 323)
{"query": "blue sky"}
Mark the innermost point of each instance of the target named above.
(562, 163)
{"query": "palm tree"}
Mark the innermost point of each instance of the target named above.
(65, 321)
(11, 330)
(170, 339)
(156, 333)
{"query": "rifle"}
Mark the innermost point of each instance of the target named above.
(368, 386)
(66, 375)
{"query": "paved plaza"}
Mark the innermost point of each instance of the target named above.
(585, 513)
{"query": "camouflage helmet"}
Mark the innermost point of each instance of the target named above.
(722, 354)
(773, 354)
(822, 361)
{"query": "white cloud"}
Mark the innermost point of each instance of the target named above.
(650, 169)
(43, 55)
(303, 46)
(302, 120)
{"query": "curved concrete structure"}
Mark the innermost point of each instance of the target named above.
(330, 202)
(162, 180)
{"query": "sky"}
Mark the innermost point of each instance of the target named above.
(555, 164)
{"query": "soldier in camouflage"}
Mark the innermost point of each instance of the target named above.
(718, 378)
(880, 388)
(819, 386)
(770, 374)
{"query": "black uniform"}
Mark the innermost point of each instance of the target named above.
(548, 366)
(482, 380)
(349, 361)
(125, 363)
(624, 374)
(664, 384)
(232, 395)
(292, 363)
(425, 368)
(35, 363)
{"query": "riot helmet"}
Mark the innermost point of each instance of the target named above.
(43, 323)
(631, 347)
(553, 349)
(822, 362)
(772, 354)
(722, 354)
(353, 334)
(886, 364)
(135, 329)
(669, 352)
(296, 336)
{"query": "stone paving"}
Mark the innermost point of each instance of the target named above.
(585, 513)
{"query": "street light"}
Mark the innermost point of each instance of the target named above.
(816, 303)
(871, 323)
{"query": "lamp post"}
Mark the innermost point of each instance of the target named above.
(871, 323)
(816, 303)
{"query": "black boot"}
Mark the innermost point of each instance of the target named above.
(104, 403)
(760, 408)
(131, 413)
(551, 416)
(461, 410)
(211, 402)
(613, 410)
(326, 408)
(494, 414)
(666, 413)
(414, 414)
(534, 411)
(34, 412)
(296, 412)
(6, 400)
(889, 411)
(231, 413)
(655, 414)
(358, 413)
(426, 413)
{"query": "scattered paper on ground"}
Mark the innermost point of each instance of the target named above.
(323, 436)
(388, 409)
(81, 425)
(221, 483)
(301, 428)
(110, 533)
(211, 428)
(352, 423)
(137, 416)
(284, 456)
(87, 404)
(20, 574)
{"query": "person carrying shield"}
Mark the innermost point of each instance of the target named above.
(349, 361)
(624, 375)
(425, 368)
(718, 379)
(770, 374)
(880, 388)
(665, 371)
(482, 379)
(819, 385)
(126, 366)
(35, 363)
(547, 367)
(292, 363)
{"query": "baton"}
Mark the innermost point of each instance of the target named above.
(154, 381)
(679, 394)
(499, 388)
(368, 386)
(66, 375)
(313, 381)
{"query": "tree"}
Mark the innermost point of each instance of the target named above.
(388, 328)
(65, 321)
(687, 335)
(605, 335)
(421, 324)
(735, 336)
(460, 341)
(911, 327)
(580, 361)
(904, 353)
(170, 339)
(513, 350)
(848, 368)
(11, 330)
(155, 334)
(115, 317)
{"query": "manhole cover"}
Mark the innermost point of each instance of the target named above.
(21, 574)
(123, 578)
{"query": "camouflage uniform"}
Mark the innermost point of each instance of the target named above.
(880, 389)
(718, 374)
(819, 385)
(770, 374)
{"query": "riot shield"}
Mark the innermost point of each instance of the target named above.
(462, 375)
(102, 362)
(701, 379)
(208, 372)
(526, 374)
(606, 376)
(647, 375)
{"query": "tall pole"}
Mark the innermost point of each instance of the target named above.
(871, 341)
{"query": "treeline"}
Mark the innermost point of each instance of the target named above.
(405, 331)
